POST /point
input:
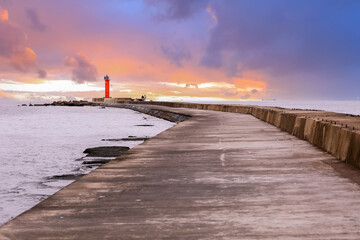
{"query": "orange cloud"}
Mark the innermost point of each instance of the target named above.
(13, 46)
(4, 15)
(23, 59)
(246, 84)
(250, 80)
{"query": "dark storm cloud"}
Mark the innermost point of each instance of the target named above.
(82, 69)
(34, 20)
(286, 35)
(177, 9)
(313, 46)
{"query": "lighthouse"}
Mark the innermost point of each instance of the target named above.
(107, 86)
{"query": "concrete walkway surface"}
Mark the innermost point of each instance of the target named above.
(214, 176)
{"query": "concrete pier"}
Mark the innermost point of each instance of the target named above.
(216, 175)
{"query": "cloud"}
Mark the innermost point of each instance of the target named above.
(34, 20)
(176, 53)
(229, 92)
(235, 92)
(177, 9)
(301, 47)
(3, 95)
(191, 85)
(246, 96)
(42, 73)
(294, 42)
(13, 45)
(12, 39)
(7, 98)
(4, 15)
(23, 59)
(82, 69)
(249, 84)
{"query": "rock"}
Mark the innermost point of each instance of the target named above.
(126, 139)
(72, 103)
(97, 161)
(112, 151)
(80, 159)
(112, 139)
(66, 177)
(144, 125)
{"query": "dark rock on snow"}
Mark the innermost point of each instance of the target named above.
(66, 177)
(97, 161)
(126, 139)
(113, 151)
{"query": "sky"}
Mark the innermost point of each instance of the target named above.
(180, 50)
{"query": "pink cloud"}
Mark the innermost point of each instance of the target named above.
(13, 46)
(82, 69)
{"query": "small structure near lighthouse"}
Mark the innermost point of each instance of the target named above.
(107, 86)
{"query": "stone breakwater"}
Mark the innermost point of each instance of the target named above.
(335, 133)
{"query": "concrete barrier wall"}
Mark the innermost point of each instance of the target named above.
(309, 125)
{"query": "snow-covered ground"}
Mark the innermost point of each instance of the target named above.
(39, 142)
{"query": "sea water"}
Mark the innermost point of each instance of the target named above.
(37, 143)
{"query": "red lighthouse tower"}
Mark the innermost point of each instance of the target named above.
(107, 86)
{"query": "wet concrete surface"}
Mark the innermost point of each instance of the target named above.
(214, 176)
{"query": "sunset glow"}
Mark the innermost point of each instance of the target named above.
(49, 86)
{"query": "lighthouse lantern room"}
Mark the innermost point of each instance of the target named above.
(107, 86)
